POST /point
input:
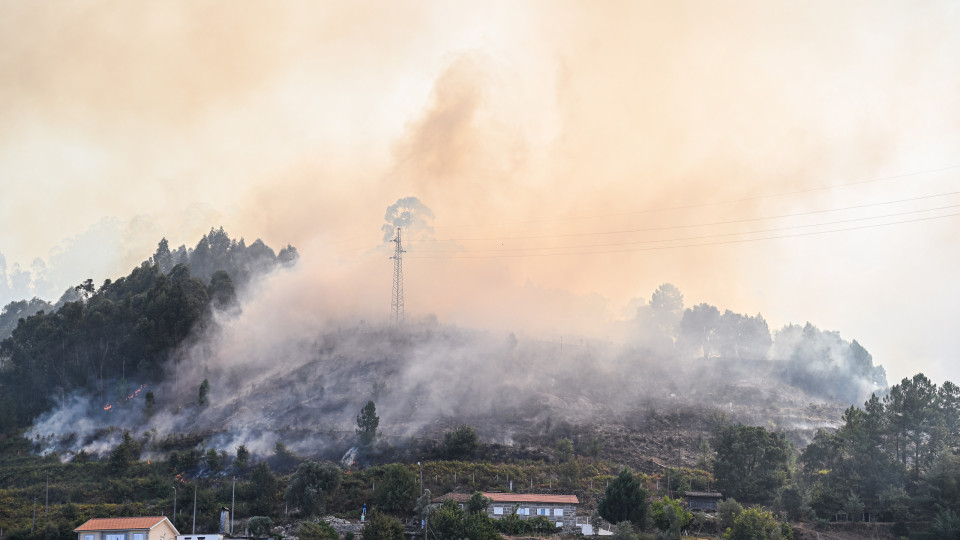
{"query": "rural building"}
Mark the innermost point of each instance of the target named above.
(560, 509)
(702, 501)
(213, 536)
(127, 528)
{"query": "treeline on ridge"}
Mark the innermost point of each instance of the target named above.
(126, 329)
(817, 361)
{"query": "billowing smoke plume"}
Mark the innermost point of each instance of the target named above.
(822, 363)
(276, 374)
(530, 119)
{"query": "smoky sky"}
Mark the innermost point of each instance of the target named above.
(522, 127)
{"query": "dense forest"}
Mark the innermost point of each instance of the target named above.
(126, 329)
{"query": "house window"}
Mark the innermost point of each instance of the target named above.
(137, 536)
(558, 511)
(543, 511)
(523, 511)
(116, 537)
(497, 511)
(559, 524)
(88, 537)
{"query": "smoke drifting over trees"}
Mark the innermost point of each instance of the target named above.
(820, 363)
(274, 378)
(133, 329)
(273, 370)
(216, 251)
(19, 309)
(69, 262)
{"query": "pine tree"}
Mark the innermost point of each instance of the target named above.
(367, 422)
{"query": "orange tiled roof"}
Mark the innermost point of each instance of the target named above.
(121, 524)
(459, 497)
(532, 498)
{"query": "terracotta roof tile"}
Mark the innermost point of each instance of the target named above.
(533, 498)
(121, 524)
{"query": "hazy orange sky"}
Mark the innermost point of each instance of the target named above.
(575, 155)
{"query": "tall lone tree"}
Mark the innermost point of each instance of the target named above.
(367, 422)
(461, 442)
(125, 454)
(203, 393)
(624, 500)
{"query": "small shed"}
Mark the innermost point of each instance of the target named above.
(705, 501)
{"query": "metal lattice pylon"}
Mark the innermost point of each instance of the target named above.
(396, 301)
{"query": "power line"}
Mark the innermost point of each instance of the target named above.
(682, 207)
(699, 205)
(720, 235)
(709, 224)
(715, 203)
(660, 248)
(704, 224)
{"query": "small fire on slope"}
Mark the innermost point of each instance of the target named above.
(110, 406)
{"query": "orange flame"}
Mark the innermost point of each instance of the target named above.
(137, 391)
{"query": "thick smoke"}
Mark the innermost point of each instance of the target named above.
(98, 252)
(11, 313)
(566, 117)
(500, 117)
(278, 373)
(822, 363)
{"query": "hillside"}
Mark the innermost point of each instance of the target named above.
(161, 377)
(133, 354)
(428, 378)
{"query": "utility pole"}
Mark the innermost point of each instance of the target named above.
(421, 478)
(396, 300)
(194, 509)
(233, 502)
(174, 507)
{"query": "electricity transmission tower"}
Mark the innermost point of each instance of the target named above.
(396, 301)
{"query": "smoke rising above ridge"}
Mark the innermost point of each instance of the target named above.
(277, 373)
(303, 121)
